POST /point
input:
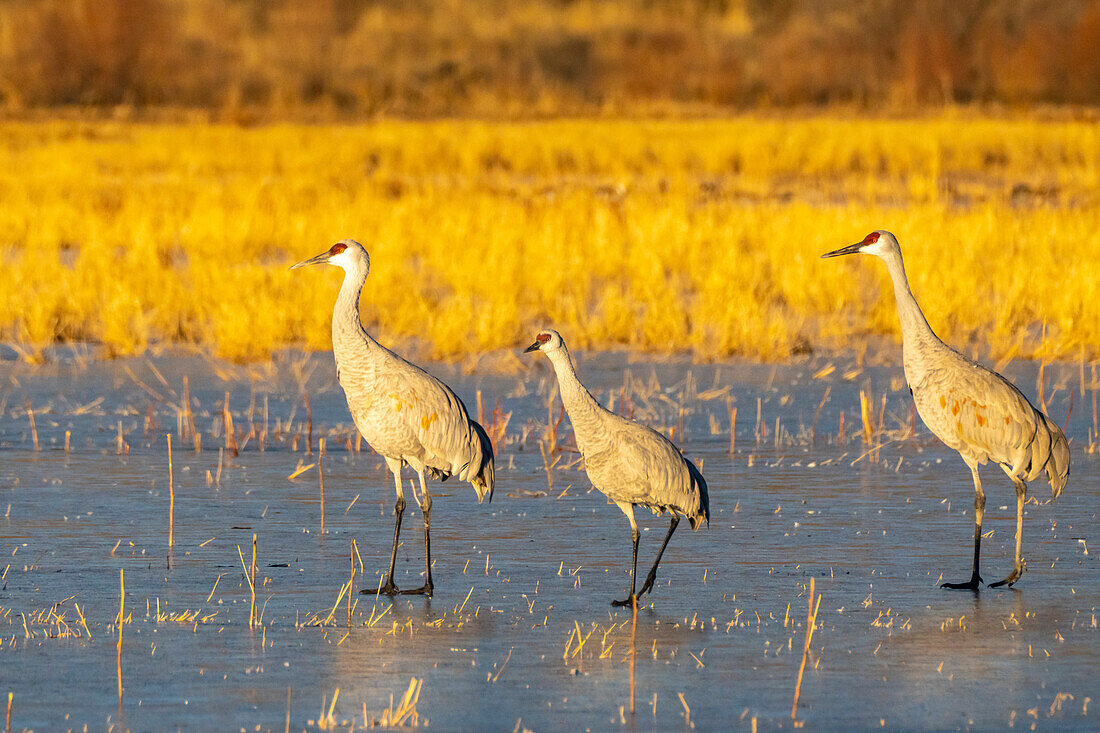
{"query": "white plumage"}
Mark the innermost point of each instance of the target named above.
(632, 464)
(970, 408)
(405, 414)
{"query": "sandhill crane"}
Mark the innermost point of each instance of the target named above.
(406, 415)
(632, 464)
(970, 408)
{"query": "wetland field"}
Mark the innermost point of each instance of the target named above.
(823, 488)
(192, 532)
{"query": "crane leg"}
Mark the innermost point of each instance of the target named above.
(390, 588)
(653, 570)
(426, 510)
(1018, 567)
(979, 514)
(628, 510)
(629, 600)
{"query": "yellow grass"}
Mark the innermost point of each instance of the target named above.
(662, 236)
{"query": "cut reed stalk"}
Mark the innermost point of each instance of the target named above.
(761, 430)
(34, 427)
(811, 620)
(351, 582)
(171, 497)
(187, 420)
(121, 617)
(248, 579)
(230, 431)
(252, 586)
(309, 424)
(865, 416)
(733, 428)
(687, 710)
(251, 409)
(878, 430)
(321, 480)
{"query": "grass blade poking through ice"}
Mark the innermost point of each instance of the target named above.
(811, 620)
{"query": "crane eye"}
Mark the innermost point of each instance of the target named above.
(542, 338)
(871, 238)
(337, 248)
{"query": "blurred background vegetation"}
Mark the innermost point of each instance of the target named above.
(672, 169)
(239, 60)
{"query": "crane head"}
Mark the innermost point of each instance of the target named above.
(547, 340)
(347, 253)
(879, 243)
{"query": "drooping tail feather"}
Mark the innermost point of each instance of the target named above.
(485, 478)
(700, 484)
(1057, 466)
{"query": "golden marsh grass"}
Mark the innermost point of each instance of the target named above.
(660, 236)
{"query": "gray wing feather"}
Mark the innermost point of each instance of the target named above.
(415, 416)
(985, 417)
(641, 466)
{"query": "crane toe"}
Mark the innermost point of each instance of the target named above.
(389, 589)
(973, 584)
(424, 590)
(628, 601)
(1010, 580)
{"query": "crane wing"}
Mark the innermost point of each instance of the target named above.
(436, 421)
(641, 466)
(978, 413)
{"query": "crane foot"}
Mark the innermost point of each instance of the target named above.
(1012, 578)
(424, 590)
(389, 589)
(648, 585)
(628, 601)
(972, 584)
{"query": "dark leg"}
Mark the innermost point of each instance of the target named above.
(629, 600)
(1018, 567)
(979, 514)
(389, 588)
(653, 570)
(426, 589)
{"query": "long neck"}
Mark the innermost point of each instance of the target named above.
(347, 330)
(916, 335)
(584, 411)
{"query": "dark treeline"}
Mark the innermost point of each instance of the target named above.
(515, 58)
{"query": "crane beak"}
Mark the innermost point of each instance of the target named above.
(533, 347)
(320, 259)
(851, 249)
